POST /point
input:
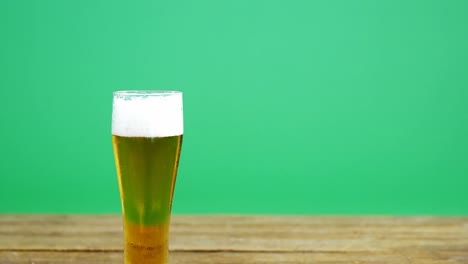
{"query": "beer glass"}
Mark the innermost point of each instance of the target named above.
(147, 129)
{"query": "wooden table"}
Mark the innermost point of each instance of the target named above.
(242, 239)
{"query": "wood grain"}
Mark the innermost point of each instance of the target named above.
(14, 257)
(242, 239)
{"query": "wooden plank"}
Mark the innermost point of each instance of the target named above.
(60, 232)
(17, 257)
(245, 233)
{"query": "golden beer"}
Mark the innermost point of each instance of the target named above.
(146, 169)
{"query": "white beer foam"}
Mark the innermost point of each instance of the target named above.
(147, 114)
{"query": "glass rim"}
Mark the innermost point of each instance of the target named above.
(146, 92)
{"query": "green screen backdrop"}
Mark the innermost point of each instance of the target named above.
(291, 107)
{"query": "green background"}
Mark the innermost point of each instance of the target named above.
(291, 107)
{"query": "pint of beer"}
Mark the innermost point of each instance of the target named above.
(147, 129)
